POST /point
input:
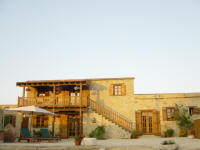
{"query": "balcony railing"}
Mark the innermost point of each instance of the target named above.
(53, 102)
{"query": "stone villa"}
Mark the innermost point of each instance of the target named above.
(83, 104)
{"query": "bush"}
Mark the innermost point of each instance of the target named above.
(134, 133)
(169, 132)
(169, 142)
(98, 132)
(183, 118)
(77, 137)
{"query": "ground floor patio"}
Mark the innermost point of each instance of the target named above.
(142, 143)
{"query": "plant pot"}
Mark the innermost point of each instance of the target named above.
(169, 147)
(133, 137)
(77, 142)
(168, 135)
(1, 136)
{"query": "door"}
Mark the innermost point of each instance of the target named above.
(75, 98)
(147, 122)
(63, 126)
(25, 122)
(74, 126)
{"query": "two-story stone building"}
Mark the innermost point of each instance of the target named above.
(84, 104)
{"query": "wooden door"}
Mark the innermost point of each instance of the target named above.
(197, 128)
(63, 126)
(25, 122)
(73, 126)
(147, 122)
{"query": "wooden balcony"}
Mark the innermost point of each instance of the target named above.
(51, 102)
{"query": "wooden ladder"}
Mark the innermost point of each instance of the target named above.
(111, 115)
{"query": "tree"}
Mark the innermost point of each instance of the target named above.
(183, 118)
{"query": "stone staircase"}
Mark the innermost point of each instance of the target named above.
(111, 115)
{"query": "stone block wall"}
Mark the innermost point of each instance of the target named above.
(111, 129)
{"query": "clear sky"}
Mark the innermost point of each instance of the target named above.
(155, 41)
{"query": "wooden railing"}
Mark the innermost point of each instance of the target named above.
(51, 101)
(111, 115)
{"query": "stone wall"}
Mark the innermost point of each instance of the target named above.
(158, 101)
(100, 92)
(111, 129)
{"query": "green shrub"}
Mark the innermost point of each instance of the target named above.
(2, 130)
(134, 133)
(183, 118)
(77, 138)
(98, 132)
(169, 132)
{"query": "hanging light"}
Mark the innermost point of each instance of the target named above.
(76, 88)
(28, 89)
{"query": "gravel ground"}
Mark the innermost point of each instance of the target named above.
(144, 141)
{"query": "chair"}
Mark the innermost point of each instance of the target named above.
(47, 136)
(25, 135)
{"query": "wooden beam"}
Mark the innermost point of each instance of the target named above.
(23, 94)
(54, 100)
(57, 83)
(81, 120)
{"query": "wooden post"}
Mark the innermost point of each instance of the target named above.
(23, 95)
(54, 100)
(81, 121)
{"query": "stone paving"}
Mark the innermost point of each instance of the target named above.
(142, 143)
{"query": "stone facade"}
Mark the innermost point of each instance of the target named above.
(126, 103)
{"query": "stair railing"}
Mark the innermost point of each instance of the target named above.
(111, 115)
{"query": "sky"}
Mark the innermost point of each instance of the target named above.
(157, 42)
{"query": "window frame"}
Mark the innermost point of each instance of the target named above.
(191, 110)
(171, 112)
(40, 121)
(9, 119)
(116, 91)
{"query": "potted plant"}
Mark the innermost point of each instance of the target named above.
(134, 134)
(169, 132)
(168, 145)
(184, 120)
(78, 139)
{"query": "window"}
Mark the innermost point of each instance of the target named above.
(190, 110)
(9, 119)
(117, 90)
(170, 113)
(40, 121)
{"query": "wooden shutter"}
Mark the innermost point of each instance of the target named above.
(111, 89)
(196, 110)
(34, 121)
(45, 121)
(123, 89)
(63, 126)
(197, 128)
(164, 113)
(138, 116)
(156, 122)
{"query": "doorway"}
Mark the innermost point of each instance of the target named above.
(74, 125)
(147, 122)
